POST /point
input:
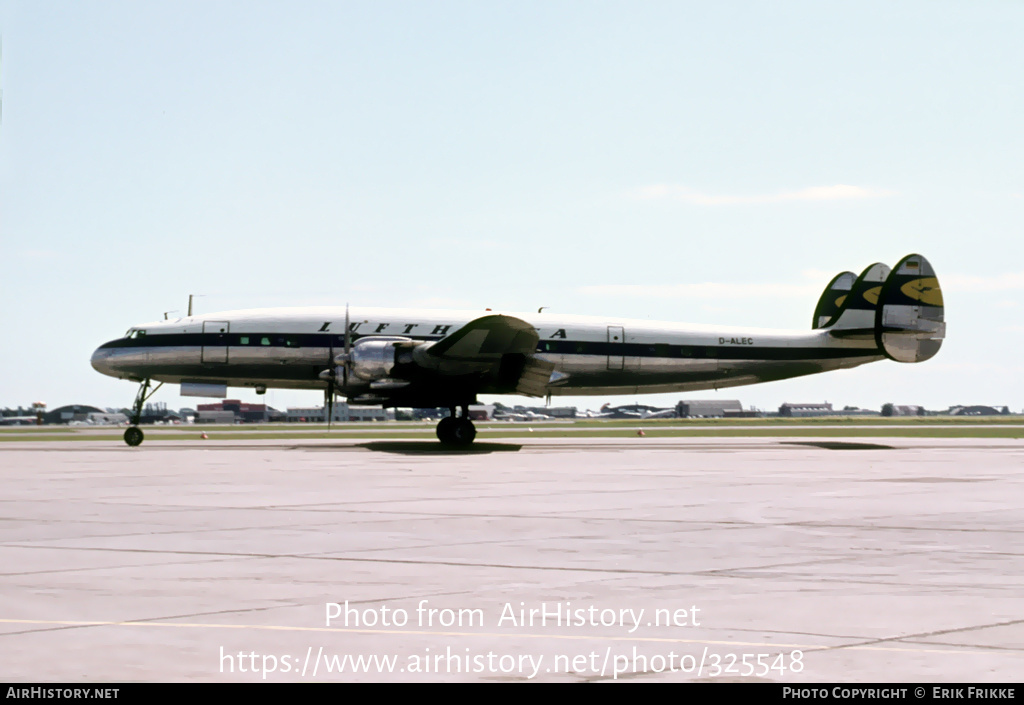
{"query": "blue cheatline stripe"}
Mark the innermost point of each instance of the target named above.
(556, 347)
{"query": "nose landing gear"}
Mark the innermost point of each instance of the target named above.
(133, 434)
(455, 430)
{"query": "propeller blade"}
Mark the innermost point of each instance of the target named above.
(329, 392)
(329, 399)
(348, 347)
(348, 332)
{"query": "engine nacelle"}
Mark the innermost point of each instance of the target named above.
(374, 358)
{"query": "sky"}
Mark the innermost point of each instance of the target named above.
(676, 161)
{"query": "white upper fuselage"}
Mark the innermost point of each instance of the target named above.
(290, 347)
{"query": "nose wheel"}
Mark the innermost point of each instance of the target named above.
(456, 430)
(133, 436)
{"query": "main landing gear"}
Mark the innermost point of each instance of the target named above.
(133, 434)
(457, 430)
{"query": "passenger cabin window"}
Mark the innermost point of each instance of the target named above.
(264, 341)
(243, 340)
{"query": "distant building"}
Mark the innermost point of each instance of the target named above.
(84, 414)
(370, 413)
(243, 412)
(18, 421)
(342, 413)
(714, 409)
(421, 413)
(481, 412)
(315, 414)
(108, 418)
(555, 412)
(978, 410)
(215, 415)
(857, 411)
(30, 416)
(790, 409)
(158, 413)
(69, 413)
(637, 411)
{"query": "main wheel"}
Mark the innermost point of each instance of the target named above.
(463, 432)
(445, 428)
(133, 436)
(456, 431)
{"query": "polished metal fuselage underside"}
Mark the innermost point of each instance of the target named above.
(290, 348)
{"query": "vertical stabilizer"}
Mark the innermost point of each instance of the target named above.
(910, 320)
(832, 298)
(857, 311)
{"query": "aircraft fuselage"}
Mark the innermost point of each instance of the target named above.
(290, 348)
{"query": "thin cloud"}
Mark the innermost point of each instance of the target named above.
(704, 290)
(444, 302)
(40, 254)
(813, 285)
(975, 367)
(822, 275)
(817, 279)
(467, 243)
(839, 192)
(1010, 281)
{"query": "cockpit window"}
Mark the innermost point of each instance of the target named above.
(134, 333)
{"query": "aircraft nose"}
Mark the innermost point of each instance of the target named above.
(101, 361)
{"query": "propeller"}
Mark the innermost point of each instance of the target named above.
(348, 345)
(330, 391)
(346, 363)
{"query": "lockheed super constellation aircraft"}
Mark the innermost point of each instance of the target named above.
(400, 357)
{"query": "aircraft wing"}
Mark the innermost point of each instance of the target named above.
(497, 351)
(487, 339)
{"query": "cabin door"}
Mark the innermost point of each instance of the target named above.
(616, 347)
(215, 342)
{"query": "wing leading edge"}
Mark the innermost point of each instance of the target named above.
(499, 348)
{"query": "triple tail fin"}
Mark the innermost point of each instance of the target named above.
(856, 314)
(901, 309)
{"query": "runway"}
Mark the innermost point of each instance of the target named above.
(671, 559)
